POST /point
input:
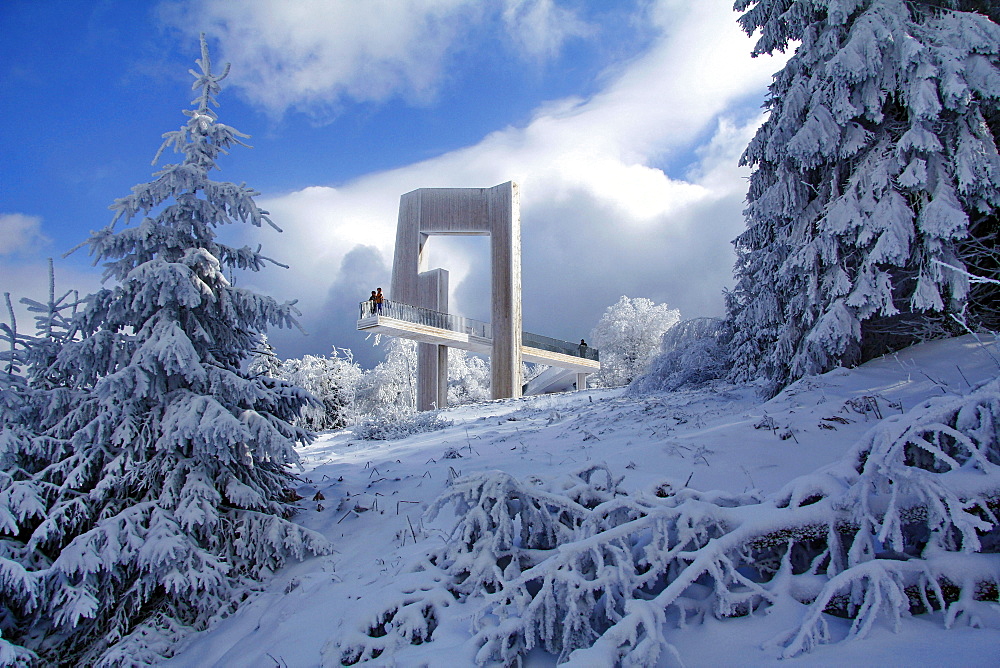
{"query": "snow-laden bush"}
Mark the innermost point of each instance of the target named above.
(468, 378)
(628, 335)
(389, 391)
(690, 355)
(908, 521)
(332, 379)
(384, 426)
(501, 524)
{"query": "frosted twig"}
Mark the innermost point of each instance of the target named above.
(972, 277)
(412, 532)
(401, 501)
(963, 376)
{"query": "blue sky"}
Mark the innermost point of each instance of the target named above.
(621, 120)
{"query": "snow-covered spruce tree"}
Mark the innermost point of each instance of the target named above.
(165, 492)
(32, 398)
(19, 495)
(628, 336)
(876, 170)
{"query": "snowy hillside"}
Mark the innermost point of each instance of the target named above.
(379, 596)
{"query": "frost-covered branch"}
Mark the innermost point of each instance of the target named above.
(972, 277)
(906, 522)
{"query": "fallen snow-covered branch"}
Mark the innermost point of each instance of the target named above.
(906, 522)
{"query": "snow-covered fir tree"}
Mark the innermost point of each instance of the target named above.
(876, 182)
(33, 396)
(20, 497)
(153, 490)
(628, 336)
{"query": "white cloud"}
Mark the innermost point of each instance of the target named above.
(600, 218)
(541, 27)
(20, 234)
(315, 54)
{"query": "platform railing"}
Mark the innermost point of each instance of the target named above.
(456, 323)
(559, 346)
(425, 316)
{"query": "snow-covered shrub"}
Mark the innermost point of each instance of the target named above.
(411, 618)
(628, 335)
(918, 511)
(690, 355)
(386, 426)
(332, 380)
(468, 378)
(389, 390)
(876, 182)
(150, 494)
(908, 521)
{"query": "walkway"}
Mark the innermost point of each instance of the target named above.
(427, 326)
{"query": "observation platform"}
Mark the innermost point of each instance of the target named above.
(429, 326)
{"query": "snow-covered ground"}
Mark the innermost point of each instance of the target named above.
(369, 498)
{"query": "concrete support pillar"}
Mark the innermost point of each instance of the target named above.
(432, 359)
(504, 212)
(432, 376)
(409, 246)
(581, 381)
